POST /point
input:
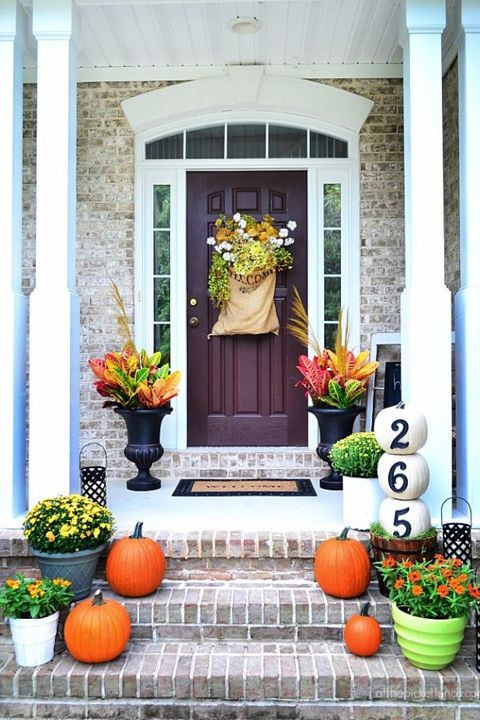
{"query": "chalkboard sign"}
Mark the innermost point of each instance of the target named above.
(393, 384)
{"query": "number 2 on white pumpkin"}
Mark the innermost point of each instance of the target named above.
(404, 427)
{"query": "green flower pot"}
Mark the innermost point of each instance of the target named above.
(78, 567)
(427, 643)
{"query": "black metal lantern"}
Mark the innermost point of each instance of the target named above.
(457, 536)
(93, 483)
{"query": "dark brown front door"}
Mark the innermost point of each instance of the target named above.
(241, 389)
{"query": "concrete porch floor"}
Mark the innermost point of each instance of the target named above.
(160, 511)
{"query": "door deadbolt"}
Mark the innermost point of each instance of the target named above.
(193, 322)
(193, 302)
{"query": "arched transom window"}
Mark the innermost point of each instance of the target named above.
(231, 141)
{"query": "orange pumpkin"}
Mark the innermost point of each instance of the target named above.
(342, 566)
(362, 633)
(135, 565)
(97, 630)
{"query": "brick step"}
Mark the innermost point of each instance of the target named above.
(257, 611)
(241, 610)
(239, 672)
(246, 610)
(213, 554)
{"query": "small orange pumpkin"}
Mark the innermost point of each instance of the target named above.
(135, 565)
(97, 630)
(342, 566)
(362, 633)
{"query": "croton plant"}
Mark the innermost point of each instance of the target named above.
(332, 378)
(134, 379)
(131, 378)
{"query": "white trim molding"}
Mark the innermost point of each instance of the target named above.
(12, 301)
(54, 297)
(247, 88)
(467, 301)
(426, 302)
(246, 95)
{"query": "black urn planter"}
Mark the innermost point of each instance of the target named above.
(143, 447)
(333, 424)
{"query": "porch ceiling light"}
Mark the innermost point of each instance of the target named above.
(245, 25)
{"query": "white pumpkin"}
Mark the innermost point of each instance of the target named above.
(400, 429)
(405, 477)
(404, 518)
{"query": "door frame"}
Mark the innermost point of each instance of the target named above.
(174, 173)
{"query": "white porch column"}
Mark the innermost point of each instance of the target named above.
(54, 316)
(425, 304)
(467, 301)
(12, 302)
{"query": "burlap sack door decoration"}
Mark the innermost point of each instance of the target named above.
(251, 308)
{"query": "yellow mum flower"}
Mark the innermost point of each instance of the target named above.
(50, 536)
(11, 583)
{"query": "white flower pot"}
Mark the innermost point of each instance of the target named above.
(34, 639)
(361, 500)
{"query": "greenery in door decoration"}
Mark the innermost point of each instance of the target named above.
(331, 378)
(130, 378)
(243, 245)
(357, 455)
(24, 597)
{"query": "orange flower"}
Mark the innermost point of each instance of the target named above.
(414, 576)
(462, 577)
(34, 590)
(417, 590)
(459, 589)
(11, 583)
(456, 563)
(407, 563)
(474, 591)
(389, 562)
(399, 583)
(439, 557)
(446, 572)
(453, 582)
(62, 582)
(443, 590)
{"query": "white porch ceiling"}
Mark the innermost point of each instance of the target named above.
(185, 39)
(186, 35)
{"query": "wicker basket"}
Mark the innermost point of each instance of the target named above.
(401, 549)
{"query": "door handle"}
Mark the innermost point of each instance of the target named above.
(193, 321)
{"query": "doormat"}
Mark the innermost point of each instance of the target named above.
(290, 487)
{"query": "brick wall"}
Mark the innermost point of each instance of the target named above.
(105, 225)
(451, 178)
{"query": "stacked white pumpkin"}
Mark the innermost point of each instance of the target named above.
(403, 472)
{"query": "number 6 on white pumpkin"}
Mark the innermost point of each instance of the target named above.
(403, 477)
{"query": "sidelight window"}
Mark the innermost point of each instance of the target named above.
(332, 261)
(161, 269)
